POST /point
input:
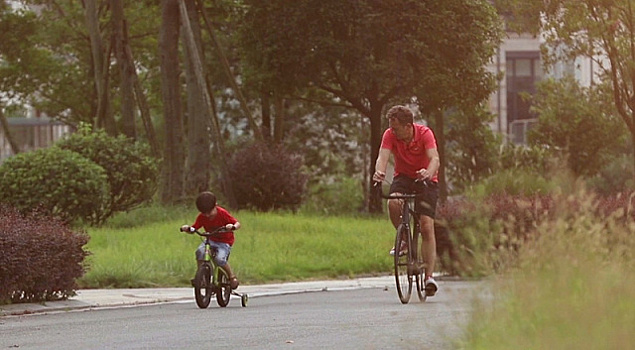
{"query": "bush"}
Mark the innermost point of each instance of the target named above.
(342, 196)
(131, 171)
(59, 182)
(615, 177)
(266, 177)
(41, 257)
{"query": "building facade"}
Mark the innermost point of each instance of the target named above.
(518, 59)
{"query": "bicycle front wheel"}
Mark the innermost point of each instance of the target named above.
(224, 289)
(402, 279)
(419, 265)
(203, 286)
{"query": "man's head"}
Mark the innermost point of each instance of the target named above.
(206, 202)
(402, 114)
(400, 120)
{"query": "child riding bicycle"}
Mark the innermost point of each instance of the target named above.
(211, 217)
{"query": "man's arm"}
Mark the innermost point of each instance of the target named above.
(433, 167)
(381, 164)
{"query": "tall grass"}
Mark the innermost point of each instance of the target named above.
(573, 288)
(269, 247)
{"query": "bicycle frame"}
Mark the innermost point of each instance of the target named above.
(210, 278)
(413, 266)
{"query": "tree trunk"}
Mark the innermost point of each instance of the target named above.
(439, 133)
(230, 77)
(280, 116)
(4, 123)
(174, 158)
(104, 116)
(198, 116)
(374, 199)
(202, 87)
(126, 68)
(266, 114)
(144, 110)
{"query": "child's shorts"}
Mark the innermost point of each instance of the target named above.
(222, 252)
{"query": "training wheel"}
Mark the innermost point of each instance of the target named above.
(244, 299)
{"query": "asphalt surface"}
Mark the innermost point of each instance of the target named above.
(101, 298)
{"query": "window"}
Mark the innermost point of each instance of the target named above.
(522, 72)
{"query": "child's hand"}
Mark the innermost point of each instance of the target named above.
(186, 228)
(230, 227)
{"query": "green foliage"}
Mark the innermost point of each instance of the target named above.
(513, 182)
(347, 46)
(266, 177)
(595, 30)
(615, 177)
(535, 159)
(131, 171)
(580, 122)
(578, 266)
(59, 182)
(41, 257)
(471, 150)
(342, 196)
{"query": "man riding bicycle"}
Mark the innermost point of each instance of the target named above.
(414, 148)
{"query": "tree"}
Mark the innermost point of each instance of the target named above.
(126, 68)
(603, 31)
(174, 155)
(582, 122)
(100, 69)
(365, 55)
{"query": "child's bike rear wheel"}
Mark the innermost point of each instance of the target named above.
(203, 286)
(224, 289)
(402, 279)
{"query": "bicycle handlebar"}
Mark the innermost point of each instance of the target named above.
(221, 229)
(426, 183)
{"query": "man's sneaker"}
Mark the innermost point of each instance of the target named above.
(431, 287)
(402, 251)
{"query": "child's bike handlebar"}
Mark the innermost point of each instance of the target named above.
(219, 230)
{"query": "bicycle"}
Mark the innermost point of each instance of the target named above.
(211, 279)
(409, 264)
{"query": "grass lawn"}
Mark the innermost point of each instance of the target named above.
(269, 247)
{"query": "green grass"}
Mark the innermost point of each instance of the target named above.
(573, 288)
(269, 247)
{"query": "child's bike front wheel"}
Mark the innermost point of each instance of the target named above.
(224, 289)
(203, 288)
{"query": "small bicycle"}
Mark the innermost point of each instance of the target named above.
(211, 279)
(409, 264)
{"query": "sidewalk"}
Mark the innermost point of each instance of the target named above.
(99, 298)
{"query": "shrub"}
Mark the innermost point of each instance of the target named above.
(615, 177)
(59, 182)
(41, 257)
(131, 171)
(266, 177)
(342, 196)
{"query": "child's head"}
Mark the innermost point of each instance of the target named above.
(205, 202)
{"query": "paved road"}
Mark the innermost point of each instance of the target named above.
(349, 319)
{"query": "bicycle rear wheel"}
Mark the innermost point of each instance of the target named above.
(203, 286)
(224, 289)
(419, 267)
(402, 279)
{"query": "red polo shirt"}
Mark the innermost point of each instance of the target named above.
(412, 156)
(222, 218)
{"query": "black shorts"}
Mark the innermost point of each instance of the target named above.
(426, 204)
